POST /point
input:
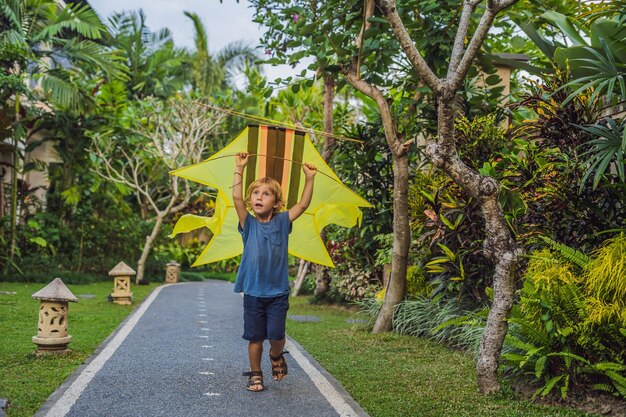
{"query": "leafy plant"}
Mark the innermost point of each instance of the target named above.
(606, 151)
(569, 328)
(576, 257)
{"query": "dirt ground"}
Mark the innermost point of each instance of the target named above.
(591, 402)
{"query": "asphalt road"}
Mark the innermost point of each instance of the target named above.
(181, 354)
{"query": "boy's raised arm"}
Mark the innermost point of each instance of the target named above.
(309, 177)
(241, 159)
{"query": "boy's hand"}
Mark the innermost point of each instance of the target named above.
(241, 159)
(309, 170)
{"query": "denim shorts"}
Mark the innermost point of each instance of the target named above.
(264, 318)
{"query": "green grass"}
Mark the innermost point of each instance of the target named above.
(391, 375)
(202, 275)
(27, 381)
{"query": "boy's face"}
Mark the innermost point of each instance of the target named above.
(262, 200)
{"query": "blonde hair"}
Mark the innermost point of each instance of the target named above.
(274, 187)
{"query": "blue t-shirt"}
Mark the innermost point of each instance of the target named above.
(263, 269)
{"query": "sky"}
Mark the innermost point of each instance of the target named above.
(224, 22)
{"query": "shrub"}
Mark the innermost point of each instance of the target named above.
(569, 329)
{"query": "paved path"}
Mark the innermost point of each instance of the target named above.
(181, 354)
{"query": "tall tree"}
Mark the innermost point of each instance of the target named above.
(154, 64)
(499, 246)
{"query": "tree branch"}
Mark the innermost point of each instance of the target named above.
(461, 33)
(388, 7)
(456, 76)
(385, 111)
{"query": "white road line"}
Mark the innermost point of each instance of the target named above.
(70, 396)
(323, 385)
(206, 373)
(213, 394)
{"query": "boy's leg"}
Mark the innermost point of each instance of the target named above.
(254, 333)
(255, 350)
(276, 318)
(277, 347)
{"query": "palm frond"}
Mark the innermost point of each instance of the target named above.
(74, 17)
(94, 55)
(58, 84)
(201, 40)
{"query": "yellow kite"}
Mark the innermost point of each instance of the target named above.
(277, 153)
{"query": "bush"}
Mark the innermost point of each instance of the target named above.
(569, 329)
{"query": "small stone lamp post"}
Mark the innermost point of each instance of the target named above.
(172, 272)
(121, 283)
(52, 334)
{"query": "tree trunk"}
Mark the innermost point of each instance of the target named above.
(302, 271)
(147, 247)
(499, 245)
(401, 232)
(503, 251)
(14, 190)
(322, 280)
(402, 237)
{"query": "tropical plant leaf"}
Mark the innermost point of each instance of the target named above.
(574, 256)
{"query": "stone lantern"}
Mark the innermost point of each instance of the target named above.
(121, 283)
(172, 272)
(52, 334)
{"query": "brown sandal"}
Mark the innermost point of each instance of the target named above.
(279, 369)
(255, 379)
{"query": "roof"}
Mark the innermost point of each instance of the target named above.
(122, 269)
(55, 291)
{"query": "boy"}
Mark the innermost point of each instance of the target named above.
(262, 275)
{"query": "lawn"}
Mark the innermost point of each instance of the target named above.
(391, 375)
(26, 380)
(387, 374)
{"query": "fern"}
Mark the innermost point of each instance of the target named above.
(574, 256)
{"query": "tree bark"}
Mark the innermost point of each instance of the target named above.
(302, 271)
(147, 247)
(396, 287)
(401, 232)
(499, 246)
(14, 188)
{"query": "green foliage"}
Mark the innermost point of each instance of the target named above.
(417, 283)
(606, 274)
(568, 324)
(607, 152)
(440, 319)
(572, 255)
(447, 224)
(544, 166)
(385, 251)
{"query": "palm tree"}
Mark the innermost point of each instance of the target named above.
(45, 43)
(155, 65)
(54, 42)
(211, 72)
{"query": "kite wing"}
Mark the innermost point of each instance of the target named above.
(277, 153)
